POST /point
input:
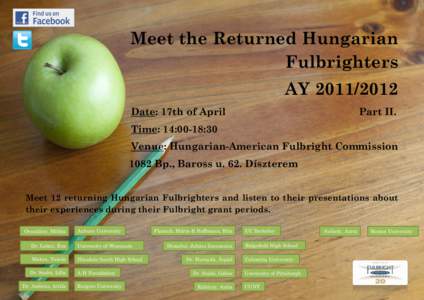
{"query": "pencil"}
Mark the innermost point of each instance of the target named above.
(98, 217)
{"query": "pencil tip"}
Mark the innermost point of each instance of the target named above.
(167, 142)
(23, 296)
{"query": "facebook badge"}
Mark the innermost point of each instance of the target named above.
(22, 40)
(21, 17)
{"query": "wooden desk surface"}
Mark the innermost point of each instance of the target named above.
(248, 81)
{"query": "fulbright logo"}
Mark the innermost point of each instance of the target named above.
(43, 17)
(379, 272)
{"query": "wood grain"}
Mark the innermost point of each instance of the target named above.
(248, 81)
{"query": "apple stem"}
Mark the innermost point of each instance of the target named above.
(59, 71)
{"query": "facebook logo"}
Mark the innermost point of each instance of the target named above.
(22, 40)
(21, 17)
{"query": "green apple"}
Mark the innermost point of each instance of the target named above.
(74, 91)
